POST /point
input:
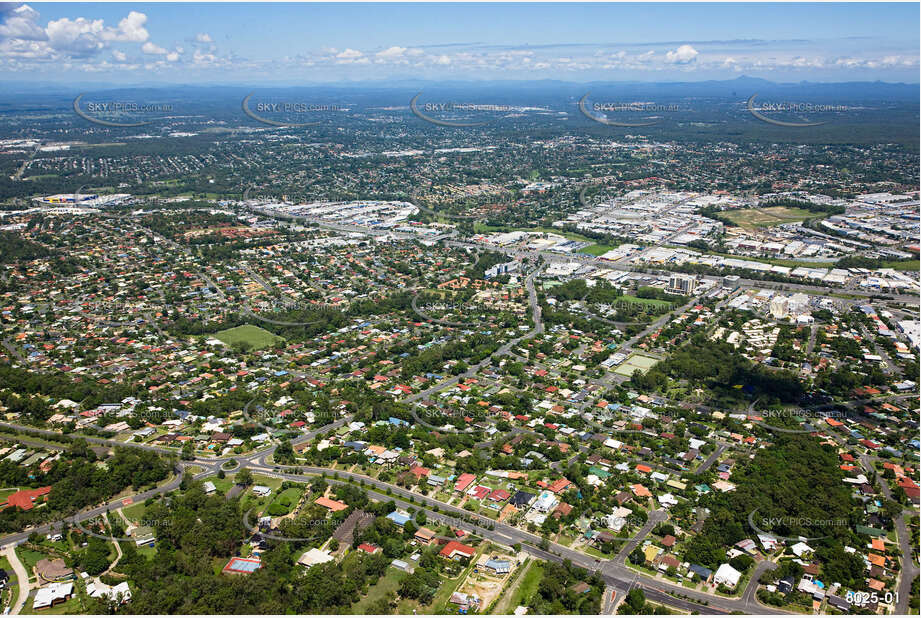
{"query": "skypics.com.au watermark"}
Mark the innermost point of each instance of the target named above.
(430, 111)
(608, 109)
(465, 107)
(119, 113)
(790, 108)
(128, 107)
(286, 114)
(762, 525)
(634, 107)
(769, 418)
(99, 522)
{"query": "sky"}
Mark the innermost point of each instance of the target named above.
(127, 43)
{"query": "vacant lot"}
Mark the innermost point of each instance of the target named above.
(597, 249)
(751, 218)
(253, 336)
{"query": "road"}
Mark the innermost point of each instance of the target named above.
(503, 350)
(655, 518)
(14, 351)
(415, 306)
(551, 256)
(813, 331)
(751, 589)
(720, 449)
(910, 569)
(22, 578)
(616, 575)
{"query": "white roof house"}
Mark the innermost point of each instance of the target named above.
(727, 576)
(546, 502)
(119, 591)
(314, 556)
(668, 500)
(801, 549)
(51, 594)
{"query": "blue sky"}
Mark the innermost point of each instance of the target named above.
(297, 43)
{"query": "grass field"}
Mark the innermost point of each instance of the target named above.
(288, 499)
(523, 589)
(636, 361)
(255, 337)
(751, 218)
(135, 512)
(597, 249)
(627, 298)
(387, 584)
(903, 265)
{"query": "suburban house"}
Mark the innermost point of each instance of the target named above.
(455, 550)
(52, 594)
(424, 536)
(727, 576)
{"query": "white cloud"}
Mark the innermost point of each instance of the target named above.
(201, 58)
(119, 55)
(80, 36)
(683, 55)
(203, 37)
(173, 56)
(130, 29)
(150, 48)
(75, 37)
(21, 22)
(392, 52)
(349, 54)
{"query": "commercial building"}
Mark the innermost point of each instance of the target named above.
(682, 284)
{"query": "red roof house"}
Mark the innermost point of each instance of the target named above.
(26, 498)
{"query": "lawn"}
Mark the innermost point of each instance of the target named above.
(286, 500)
(627, 298)
(636, 361)
(439, 603)
(751, 218)
(913, 265)
(388, 583)
(135, 512)
(221, 485)
(524, 588)
(596, 249)
(249, 500)
(29, 558)
(257, 338)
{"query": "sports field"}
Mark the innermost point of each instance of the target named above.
(656, 302)
(636, 361)
(256, 337)
(751, 218)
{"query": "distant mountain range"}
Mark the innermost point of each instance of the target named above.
(742, 86)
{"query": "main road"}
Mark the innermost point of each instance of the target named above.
(615, 575)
